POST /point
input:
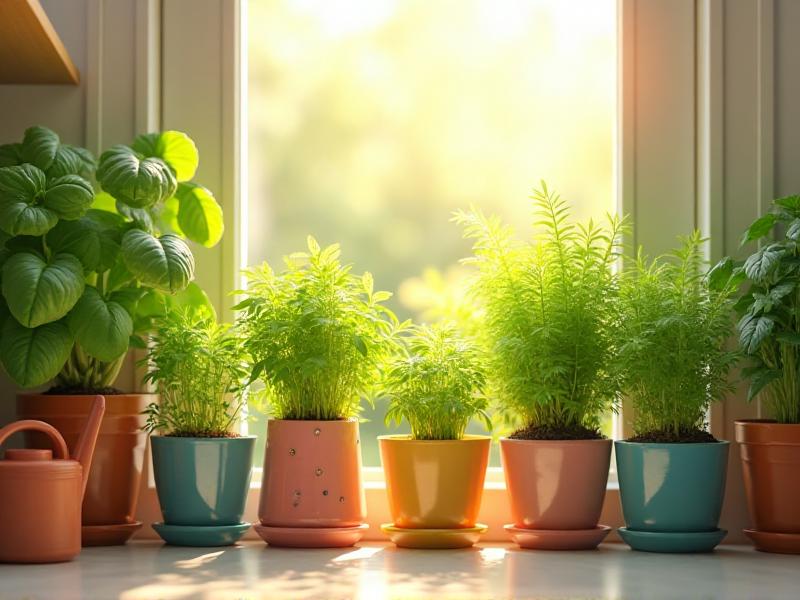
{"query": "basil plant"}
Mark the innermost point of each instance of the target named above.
(93, 251)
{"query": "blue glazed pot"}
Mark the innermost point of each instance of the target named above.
(672, 487)
(202, 481)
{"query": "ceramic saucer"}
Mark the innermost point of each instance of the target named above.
(680, 542)
(108, 535)
(558, 539)
(406, 537)
(201, 535)
(766, 541)
(311, 537)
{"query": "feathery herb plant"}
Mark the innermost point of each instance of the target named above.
(316, 334)
(674, 323)
(549, 305)
(436, 384)
(198, 367)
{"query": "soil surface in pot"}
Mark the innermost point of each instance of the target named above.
(686, 436)
(61, 390)
(202, 434)
(548, 432)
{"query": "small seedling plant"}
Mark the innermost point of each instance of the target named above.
(317, 335)
(198, 367)
(436, 383)
(673, 361)
(549, 306)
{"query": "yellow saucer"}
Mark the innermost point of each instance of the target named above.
(434, 538)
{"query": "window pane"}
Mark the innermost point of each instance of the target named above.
(370, 121)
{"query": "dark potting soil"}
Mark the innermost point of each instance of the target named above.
(549, 432)
(61, 390)
(686, 436)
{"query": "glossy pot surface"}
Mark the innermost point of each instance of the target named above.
(770, 455)
(434, 484)
(312, 475)
(558, 484)
(202, 481)
(672, 487)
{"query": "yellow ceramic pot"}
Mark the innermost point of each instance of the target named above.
(434, 484)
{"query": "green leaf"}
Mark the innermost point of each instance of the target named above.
(105, 201)
(199, 215)
(140, 216)
(39, 292)
(194, 301)
(753, 330)
(94, 239)
(69, 196)
(128, 298)
(760, 227)
(165, 263)
(70, 160)
(789, 337)
(21, 189)
(32, 357)
(793, 231)
(10, 155)
(790, 203)
(134, 180)
(119, 275)
(101, 328)
(759, 380)
(39, 147)
(720, 274)
(759, 264)
(174, 147)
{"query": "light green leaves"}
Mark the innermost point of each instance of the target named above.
(94, 239)
(39, 147)
(135, 180)
(34, 356)
(101, 327)
(199, 215)
(165, 263)
(38, 291)
(174, 147)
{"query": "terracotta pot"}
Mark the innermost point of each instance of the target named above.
(312, 475)
(113, 487)
(434, 484)
(556, 484)
(771, 467)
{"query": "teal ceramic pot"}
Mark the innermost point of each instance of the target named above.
(202, 481)
(672, 487)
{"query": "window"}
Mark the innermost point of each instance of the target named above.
(370, 121)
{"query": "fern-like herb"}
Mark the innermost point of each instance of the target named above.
(198, 368)
(549, 307)
(316, 334)
(673, 329)
(436, 383)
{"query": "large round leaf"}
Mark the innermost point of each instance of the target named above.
(21, 189)
(174, 147)
(70, 160)
(32, 357)
(199, 215)
(10, 155)
(69, 196)
(103, 329)
(94, 239)
(39, 147)
(166, 263)
(38, 291)
(134, 180)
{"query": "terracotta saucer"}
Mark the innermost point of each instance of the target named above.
(558, 539)
(782, 543)
(672, 542)
(201, 535)
(311, 537)
(433, 538)
(108, 535)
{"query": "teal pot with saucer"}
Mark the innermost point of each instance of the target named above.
(672, 495)
(202, 486)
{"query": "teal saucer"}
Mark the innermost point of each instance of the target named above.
(672, 542)
(197, 535)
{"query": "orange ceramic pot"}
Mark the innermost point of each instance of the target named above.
(113, 487)
(312, 475)
(434, 484)
(557, 484)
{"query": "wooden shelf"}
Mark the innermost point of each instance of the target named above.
(30, 49)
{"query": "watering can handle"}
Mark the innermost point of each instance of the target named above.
(59, 445)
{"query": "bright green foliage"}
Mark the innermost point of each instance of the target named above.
(198, 367)
(769, 327)
(90, 271)
(675, 320)
(549, 306)
(436, 383)
(316, 334)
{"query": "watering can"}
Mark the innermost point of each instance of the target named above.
(41, 494)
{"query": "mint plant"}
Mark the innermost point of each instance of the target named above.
(84, 272)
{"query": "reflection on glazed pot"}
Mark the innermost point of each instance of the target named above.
(556, 484)
(672, 487)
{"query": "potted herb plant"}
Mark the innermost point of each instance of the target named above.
(201, 464)
(435, 476)
(675, 320)
(83, 274)
(316, 335)
(769, 335)
(548, 309)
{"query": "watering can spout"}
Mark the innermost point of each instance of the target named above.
(84, 449)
